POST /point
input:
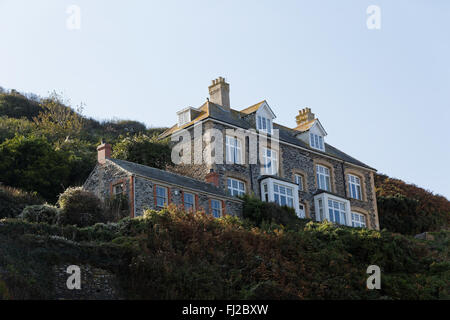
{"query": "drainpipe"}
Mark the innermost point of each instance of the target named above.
(343, 176)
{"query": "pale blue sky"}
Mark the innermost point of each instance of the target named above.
(382, 95)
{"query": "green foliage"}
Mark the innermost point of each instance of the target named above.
(9, 127)
(32, 164)
(116, 208)
(13, 201)
(15, 105)
(40, 214)
(172, 254)
(79, 207)
(57, 121)
(144, 150)
(408, 209)
(269, 215)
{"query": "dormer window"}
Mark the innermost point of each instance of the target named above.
(264, 124)
(187, 115)
(316, 141)
(264, 118)
(183, 118)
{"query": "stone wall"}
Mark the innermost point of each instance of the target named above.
(144, 198)
(292, 160)
(96, 284)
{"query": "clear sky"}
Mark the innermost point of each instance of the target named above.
(382, 95)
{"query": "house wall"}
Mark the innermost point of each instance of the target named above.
(103, 177)
(292, 160)
(142, 197)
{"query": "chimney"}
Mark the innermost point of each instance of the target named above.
(212, 177)
(305, 115)
(219, 93)
(103, 152)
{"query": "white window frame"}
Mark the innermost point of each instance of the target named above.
(282, 191)
(166, 196)
(325, 172)
(354, 187)
(272, 160)
(268, 191)
(316, 141)
(234, 150)
(191, 205)
(235, 188)
(184, 117)
(337, 212)
(215, 209)
(299, 180)
(357, 222)
(264, 124)
(322, 207)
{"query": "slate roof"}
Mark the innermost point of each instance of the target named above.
(236, 118)
(170, 177)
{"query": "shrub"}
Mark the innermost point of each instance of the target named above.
(40, 213)
(409, 209)
(13, 201)
(267, 214)
(79, 207)
(116, 208)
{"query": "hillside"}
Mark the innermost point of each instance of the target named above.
(409, 209)
(175, 255)
(46, 146)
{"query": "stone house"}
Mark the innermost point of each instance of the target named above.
(293, 167)
(151, 188)
(297, 167)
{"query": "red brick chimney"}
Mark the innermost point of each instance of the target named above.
(213, 178)
(103, 152)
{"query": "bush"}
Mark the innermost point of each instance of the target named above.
(40, 213)
(409, 209)
(79, 207)
(116, 208)
(269, 214)
(13, 201)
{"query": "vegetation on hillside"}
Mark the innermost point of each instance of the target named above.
(172, 254)
(47, 146)
(409, 209)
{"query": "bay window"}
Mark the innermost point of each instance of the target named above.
(282, 192)
(337, 211)
(283, 195)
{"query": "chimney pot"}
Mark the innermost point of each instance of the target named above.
(219, 93)
(304, 115)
